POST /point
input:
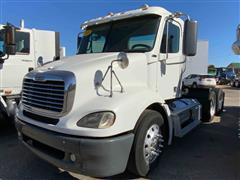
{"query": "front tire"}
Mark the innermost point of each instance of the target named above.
(148, 143)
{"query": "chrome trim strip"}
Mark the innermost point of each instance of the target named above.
(41, 84)
(43, 97)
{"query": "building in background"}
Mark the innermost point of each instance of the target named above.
(235, 66)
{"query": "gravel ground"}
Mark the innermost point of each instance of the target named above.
(211, 151)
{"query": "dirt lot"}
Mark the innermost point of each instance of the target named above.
(211, 151)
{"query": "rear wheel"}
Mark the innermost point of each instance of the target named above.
(209, 108)
(237, 84)
(3, 114)
(220, 96)
(148, 143)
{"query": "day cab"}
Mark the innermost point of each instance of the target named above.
(118, 102)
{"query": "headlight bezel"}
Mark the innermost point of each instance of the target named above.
(97, 120)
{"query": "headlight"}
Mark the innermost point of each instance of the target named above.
(99, 120)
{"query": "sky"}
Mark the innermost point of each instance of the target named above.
(218, 19)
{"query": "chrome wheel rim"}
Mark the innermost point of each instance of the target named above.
(236, 84)
(212, 108)
(221, 103)
(153, 144)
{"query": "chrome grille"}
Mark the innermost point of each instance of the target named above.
(48, 95)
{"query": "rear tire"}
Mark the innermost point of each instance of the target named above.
(237, 84)
(3, 114)
(209, 108)
(220, 101)
(148, 143)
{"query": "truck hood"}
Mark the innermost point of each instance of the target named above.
(86, 68)
(80, 61)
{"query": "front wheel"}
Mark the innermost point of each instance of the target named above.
(148, 143)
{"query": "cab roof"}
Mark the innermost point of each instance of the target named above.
(145, 10)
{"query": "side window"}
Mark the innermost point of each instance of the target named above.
(22, 43)
(141, 41)
(173, 38)
(96, 44)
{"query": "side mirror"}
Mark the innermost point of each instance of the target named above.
(9, 41)
(2, 46)
(190, 38)
(123, 60)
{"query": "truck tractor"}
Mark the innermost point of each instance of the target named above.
(118, 102)
(28, 49)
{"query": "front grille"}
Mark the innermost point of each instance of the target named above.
(48, 95)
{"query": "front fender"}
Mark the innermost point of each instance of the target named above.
(127, 106)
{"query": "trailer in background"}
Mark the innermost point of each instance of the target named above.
(198, 64)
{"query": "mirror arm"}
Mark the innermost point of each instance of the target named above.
(112, 72)
(178, 15)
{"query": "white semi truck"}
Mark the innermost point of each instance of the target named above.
(118, 102)
(33, 48)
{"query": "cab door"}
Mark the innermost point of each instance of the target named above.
(15, 68)
(171, 60)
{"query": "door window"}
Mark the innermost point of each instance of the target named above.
(173, 39)
(22, 42)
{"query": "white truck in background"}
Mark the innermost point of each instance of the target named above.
(198, 64)
(118, 102)
(33, 49)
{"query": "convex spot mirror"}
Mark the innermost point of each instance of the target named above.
(190, 37)
(123, 61)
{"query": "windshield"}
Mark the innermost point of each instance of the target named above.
(128, 35)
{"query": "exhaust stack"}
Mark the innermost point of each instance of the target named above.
(21, 23)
